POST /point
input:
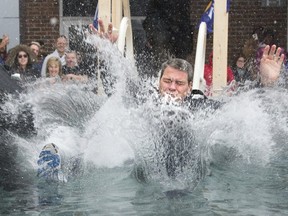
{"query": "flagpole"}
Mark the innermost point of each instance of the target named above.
(220, 46)
(116, 13)
(104, 11)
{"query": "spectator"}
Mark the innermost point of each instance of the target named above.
(208, 75)
(42, 52)
(20, 62)
(35, 47)
(72, 70)
(54, 70)
(3, 49)
(239, 71)
(71, 63)
(250, 50)
(61, 46)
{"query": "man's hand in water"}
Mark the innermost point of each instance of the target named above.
(102, 33)
(270, 65)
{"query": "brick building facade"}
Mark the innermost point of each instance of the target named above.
(35, 21)
(245, 15)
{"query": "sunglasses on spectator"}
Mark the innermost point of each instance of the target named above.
(24, 56)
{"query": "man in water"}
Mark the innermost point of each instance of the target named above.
(176, 78)
(177, 74)
(175, 81)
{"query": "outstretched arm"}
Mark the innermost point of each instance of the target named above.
(270, 65)
(102, 33)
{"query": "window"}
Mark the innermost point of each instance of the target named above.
(76, 15)
(273, 3)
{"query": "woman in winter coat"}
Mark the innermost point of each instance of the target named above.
(21, 64)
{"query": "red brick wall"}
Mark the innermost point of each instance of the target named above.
(35, 24)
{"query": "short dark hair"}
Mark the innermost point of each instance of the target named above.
(61, 36)
(179, 64)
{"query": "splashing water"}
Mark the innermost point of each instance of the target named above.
(218, 154)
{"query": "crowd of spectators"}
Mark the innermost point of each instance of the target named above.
(26, 62)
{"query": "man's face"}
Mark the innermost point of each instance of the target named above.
(61, 44)
(71, 59)
(174, 82)
(35, 49)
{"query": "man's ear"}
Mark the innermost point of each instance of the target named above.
(190, 86)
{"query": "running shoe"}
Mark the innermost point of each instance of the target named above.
(49, 163)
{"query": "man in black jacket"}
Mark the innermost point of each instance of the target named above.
(176, 77)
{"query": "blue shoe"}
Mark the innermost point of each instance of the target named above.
(49, 163)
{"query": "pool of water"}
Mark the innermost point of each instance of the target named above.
(246, 170)
(112, 191)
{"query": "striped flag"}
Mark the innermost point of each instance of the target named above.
(228, 6)
(95, 20)
(208, 15)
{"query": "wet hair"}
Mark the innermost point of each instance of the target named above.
(53, 60)
(179, 64)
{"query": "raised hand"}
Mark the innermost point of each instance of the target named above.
(102, 33)
(270, 65)
(5, 41)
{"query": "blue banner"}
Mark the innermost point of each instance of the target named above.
(228, 6)
(208, 15)
(95, 20)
